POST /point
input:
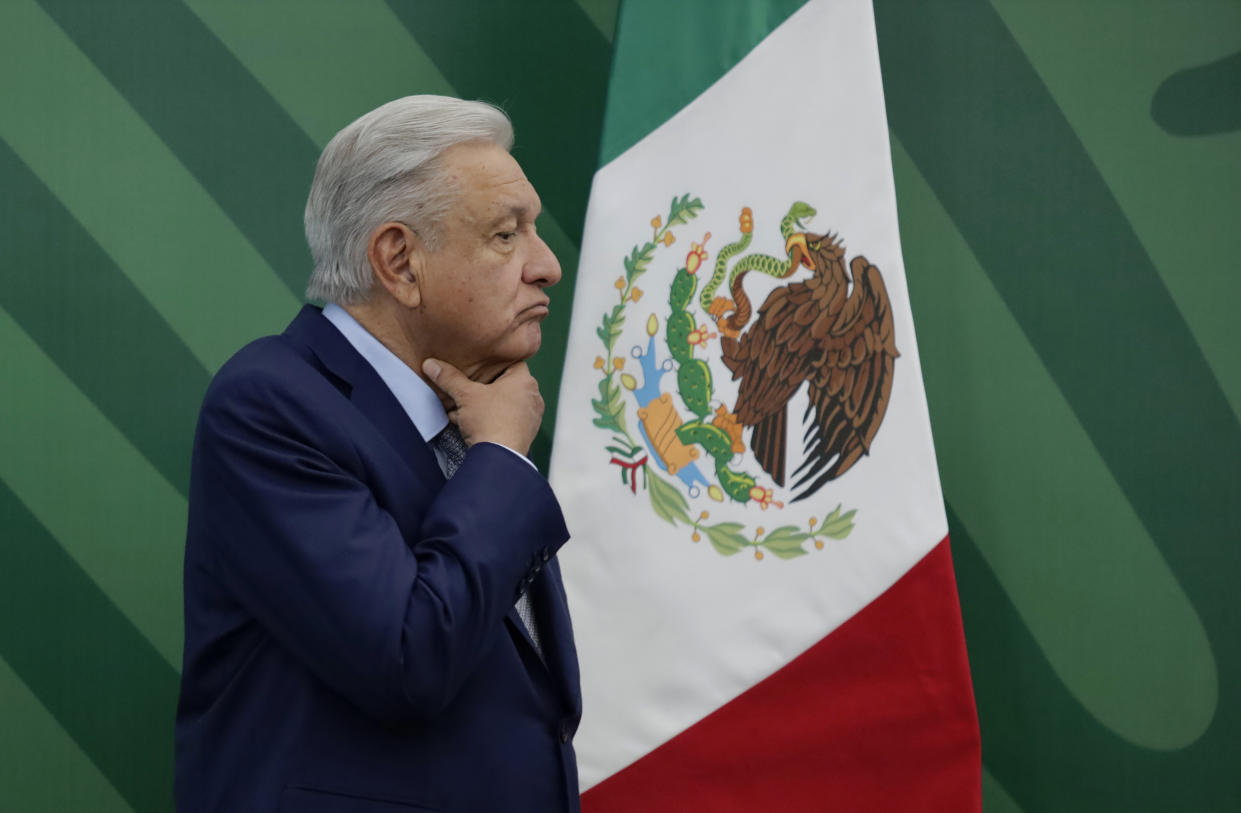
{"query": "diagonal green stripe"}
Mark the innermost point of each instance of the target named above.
(325, 63)
(122, 522)
(120, 181)
(1034, 210)
(238, 143)
(1181, 195)
(1053, 542)
(1001, 158)
(658, 70)
(603, 14)
(30, 741)
(1047, 751)
(108, 688)
(994, 798)
(88, 317)
(548, 70)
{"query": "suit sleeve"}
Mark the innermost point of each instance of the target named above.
(395, 624)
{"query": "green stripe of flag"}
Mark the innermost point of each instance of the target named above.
(239, 144)
(658, 70)
(105, 685)
(136, 200)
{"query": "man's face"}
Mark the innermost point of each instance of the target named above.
(482, 287)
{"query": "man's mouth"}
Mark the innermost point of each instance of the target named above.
(538, 310)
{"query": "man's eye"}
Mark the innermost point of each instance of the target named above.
(506, 235)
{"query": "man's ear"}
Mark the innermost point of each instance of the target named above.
(397, 259)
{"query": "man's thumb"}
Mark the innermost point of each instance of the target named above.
(443, 374)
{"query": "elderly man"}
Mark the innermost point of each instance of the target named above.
(374, 616)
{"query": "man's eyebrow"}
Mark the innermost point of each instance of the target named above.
(516, 213)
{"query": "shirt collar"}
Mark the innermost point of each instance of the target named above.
(417, 398)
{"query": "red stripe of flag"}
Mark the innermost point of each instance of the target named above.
(879, 716)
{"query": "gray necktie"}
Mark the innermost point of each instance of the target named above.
(453, 446)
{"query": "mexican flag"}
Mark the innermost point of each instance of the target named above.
(760, 578)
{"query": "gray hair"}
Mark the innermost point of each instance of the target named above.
(383, 167)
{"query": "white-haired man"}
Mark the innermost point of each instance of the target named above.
(374, 617)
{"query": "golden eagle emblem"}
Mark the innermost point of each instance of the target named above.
(839, 341)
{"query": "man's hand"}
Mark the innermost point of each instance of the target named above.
(506, 411)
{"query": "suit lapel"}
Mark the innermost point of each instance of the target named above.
(367, 391)
(374, 400)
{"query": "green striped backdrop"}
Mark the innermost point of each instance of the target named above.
(1069, 182)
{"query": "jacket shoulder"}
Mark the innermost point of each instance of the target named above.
(270, 366)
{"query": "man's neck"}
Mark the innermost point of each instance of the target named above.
(381, 323)
(381, 319)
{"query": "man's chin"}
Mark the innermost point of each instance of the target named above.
(529, 340)
(514, 353)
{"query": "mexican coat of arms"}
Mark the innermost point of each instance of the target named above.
(710, 382)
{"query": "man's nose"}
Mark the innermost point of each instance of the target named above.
(542, 269)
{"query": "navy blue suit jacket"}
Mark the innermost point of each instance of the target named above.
(351, 642)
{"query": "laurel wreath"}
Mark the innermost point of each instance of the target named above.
(667, 501)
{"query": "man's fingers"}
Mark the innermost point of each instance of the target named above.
(518, 368)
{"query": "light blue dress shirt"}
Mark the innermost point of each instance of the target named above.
(416, 397)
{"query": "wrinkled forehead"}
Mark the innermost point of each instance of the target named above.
(490, 182)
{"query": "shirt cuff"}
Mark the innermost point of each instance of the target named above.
(524, 459)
